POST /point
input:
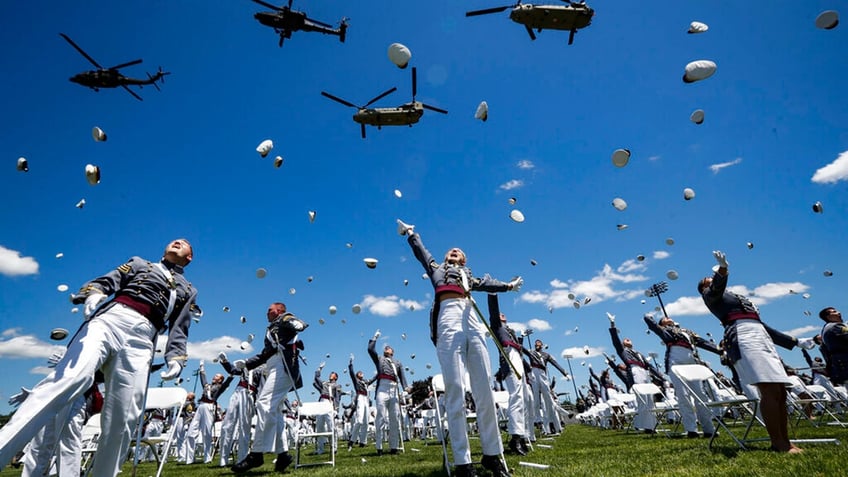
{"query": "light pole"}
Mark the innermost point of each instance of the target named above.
(574, 383)
(656, 290)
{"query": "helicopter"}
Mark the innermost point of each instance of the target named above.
(284, 21)
(110, 77)
(572, 16)
(406, 114)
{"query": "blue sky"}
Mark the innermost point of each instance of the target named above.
(183, 163)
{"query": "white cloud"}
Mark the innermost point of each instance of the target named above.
(526, 164)
(630, 266)
(718, 167)
(804, 331)
(580, 352)
(12, 264)
(834, 172)
(26, 346)
(389, 305)
(599, 288)
(661, 254)
(655, 158)
(209, 349)
(536, 324)
(761, 295)
(513, 184)
(42, 370)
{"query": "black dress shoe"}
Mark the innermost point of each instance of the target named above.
(515, 445)
(253, 460)
(283, 460)
(379, 452)
(465, 470)
(709, 435)
(393, 451)
(692, 435)
(493, 464)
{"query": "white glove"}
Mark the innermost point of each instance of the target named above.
(611, 317)
(720, 258)
(351, 357)
(321, 366)
(17, 399)
(649, 316)
(201, 364)
(239, 364)
(174, 370)
(54, 358)
(516, 283)
(376, 335)
(404, 229)
(222, 356)
(91, 303)
(806, 343)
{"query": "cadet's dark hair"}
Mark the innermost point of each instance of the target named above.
(826, 311)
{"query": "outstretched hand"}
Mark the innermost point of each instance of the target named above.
(721, 258)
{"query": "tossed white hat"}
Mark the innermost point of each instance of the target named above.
(621, 226)
(23, 165)
(400, 55)
(370, 262)
(62, 287)
(672, 274)
(516, 215)
(309, 279)
(512, 200)
(58, 334)
(244, 345)
(698, 70)
(818, 207)
(640, 258)
(292, 291)
(619, 203)
(533, 263)
(750, 245)
(576, 305)
(243, 319)
(482, 112)
(828, 273)
(92, 174)
(278, 161)
(261, 272)
(356, 308)
(264, 147)
(697, 27)
(80, 204)
(312, 215)
(332, 309)
(321, 321)
(697, 116)
(827, 20)
(688, 194)
(60, 255)
(620, 157)
(226, 309)
(669, 241)
(398, 193)
(98, 134)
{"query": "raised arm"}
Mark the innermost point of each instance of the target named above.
(616, 341)
(550, 359)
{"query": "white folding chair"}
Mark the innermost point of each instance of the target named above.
(311, 411)
(501, 406)
(90, 437)
(663, 409)
(164, 398)
(709, 391)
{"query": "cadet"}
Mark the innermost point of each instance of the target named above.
(389, 375)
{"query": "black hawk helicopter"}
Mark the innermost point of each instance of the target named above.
(111, 77)
(406, 114)
(284, 21)
(572, 16)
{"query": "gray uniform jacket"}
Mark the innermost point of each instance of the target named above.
(360, 386)
(504, 334)
(677, 336)
(282, 335)
(212, 391)
(631, 357)
(328, 389)
(835, 349)
(142, 282)
(387, 368)
(540, 360)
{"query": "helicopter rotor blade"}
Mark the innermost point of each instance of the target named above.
(80, 50)
(131, 92)
(530, 32)
(325, 25)
(414, 83)
(338, 100)
(268, 5)
(152, 80)
(362, 126)
(433, 108)
(487, 11)
(124, 65)
(381, 96)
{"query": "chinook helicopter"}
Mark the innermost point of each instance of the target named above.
(572, 16)
(406, 114)
(110, 77)
(284, 21)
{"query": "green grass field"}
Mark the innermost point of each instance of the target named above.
(579, 451)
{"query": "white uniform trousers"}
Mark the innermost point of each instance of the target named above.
(542, 393)
(388, 414)
(236, 426)
(461, 346)
(324, 423)
(201, 425)
(154, 429)
(644, 418)
(61, 438)
(180, 429)
(119, 342)
(359, 431)
(515, 388)
(270, 422)
(687, 404)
